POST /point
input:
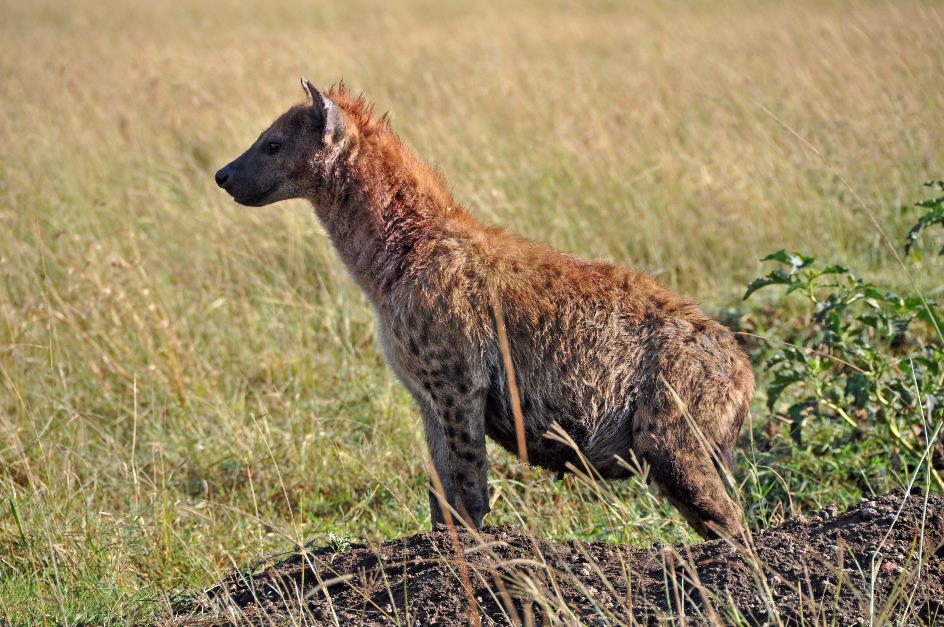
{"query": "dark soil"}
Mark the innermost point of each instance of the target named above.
(812, 569)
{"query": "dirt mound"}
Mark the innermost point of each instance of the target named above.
(815, 569)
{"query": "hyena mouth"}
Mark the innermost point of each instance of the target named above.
(254, 200)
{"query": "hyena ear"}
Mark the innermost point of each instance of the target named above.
(310, 91)
(325, 111)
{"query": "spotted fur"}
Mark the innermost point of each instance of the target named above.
(626, 367)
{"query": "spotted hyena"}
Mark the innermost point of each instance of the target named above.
(626, 367)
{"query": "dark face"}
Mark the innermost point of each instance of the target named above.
(281, 164)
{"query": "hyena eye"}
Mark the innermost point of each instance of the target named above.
(272, 147)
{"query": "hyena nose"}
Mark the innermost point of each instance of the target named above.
(222, 177)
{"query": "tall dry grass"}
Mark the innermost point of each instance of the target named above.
(185, 383)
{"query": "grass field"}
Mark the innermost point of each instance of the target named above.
(186, 384)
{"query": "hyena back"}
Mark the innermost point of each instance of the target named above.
(623, 365)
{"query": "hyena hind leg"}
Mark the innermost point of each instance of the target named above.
(689, 478)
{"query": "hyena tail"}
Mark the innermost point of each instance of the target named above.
(726, 448)
(727, 460)
(724, 462)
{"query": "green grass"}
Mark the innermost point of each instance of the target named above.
(186, 384)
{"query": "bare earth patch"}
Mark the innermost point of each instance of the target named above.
(814, 569)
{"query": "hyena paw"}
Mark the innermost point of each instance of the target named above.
(475, 502)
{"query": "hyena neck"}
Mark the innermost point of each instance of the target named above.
(382, 208)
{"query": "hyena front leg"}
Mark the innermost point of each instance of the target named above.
(439, 455)
(464, 425)
(460, 418)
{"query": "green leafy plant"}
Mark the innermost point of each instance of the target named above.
(339, 543)
(934, 215)
(871, 358)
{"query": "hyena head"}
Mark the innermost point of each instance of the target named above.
(289, 158)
